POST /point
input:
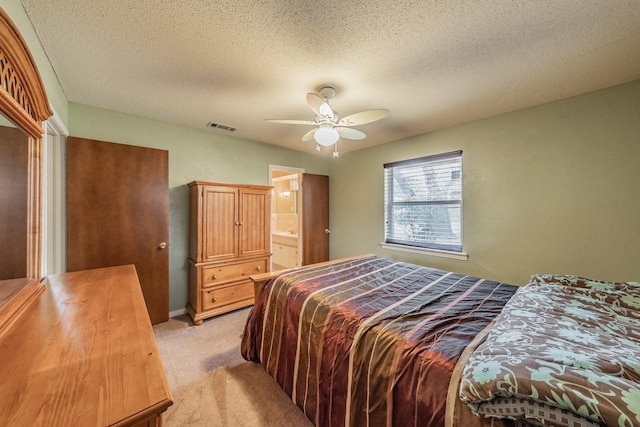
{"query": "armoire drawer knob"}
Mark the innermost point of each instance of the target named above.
(214, 277)
(259, 268)
(214, 299)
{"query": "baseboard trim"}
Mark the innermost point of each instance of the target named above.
(176, 313)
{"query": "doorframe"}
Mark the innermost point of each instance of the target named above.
(293, 170)
(54, 216)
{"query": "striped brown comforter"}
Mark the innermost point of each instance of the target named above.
(371, 341)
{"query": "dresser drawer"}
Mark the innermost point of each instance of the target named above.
(225, 295)
(226, 273)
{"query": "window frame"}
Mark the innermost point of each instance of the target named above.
(438, 249)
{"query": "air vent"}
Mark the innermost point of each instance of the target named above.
(221, 126)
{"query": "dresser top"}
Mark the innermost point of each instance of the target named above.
(83, 353)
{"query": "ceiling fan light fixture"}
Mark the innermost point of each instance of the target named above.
(325, 110)
(331, 128)
(326, 136)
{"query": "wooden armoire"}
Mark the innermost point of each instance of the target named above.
(229, 233)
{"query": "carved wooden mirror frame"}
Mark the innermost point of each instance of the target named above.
(24, 102)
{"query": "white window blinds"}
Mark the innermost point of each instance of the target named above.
(423, 202)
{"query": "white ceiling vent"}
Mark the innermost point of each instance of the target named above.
(221, 126)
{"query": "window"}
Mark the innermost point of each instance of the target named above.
(423, 202)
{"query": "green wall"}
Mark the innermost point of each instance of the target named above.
(193, 155)
(551, 188)
(548, 189)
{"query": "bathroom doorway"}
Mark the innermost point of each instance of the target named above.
(285, 214)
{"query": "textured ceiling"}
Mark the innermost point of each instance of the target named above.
(433, 64)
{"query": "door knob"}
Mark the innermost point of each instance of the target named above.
(162, 245)
(326, 230)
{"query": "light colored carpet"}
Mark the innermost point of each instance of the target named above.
(212, 385)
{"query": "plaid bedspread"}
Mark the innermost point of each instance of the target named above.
(369, 342)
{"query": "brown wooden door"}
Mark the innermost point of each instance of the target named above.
(254, 221)
(118, 213)
(315, 218)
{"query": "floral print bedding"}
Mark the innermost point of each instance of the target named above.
(567, 342)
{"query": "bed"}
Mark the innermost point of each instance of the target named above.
(369, 341)
(564, 351)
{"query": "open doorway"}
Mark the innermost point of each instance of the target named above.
(285, 214)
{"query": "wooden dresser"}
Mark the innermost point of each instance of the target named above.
(229, 235)
(84, 354)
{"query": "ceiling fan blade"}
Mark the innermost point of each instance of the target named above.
(291, 122)
(349, 133)
(319, 106)
(309, 135)
(363, 117)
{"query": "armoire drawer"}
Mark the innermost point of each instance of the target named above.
(225, 295)
(225, 273)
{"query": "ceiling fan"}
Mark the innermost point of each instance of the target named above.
(330, 127)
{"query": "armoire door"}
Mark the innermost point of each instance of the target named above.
(255, 214)
(315, 218)
(118, 213)
(220, 223)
